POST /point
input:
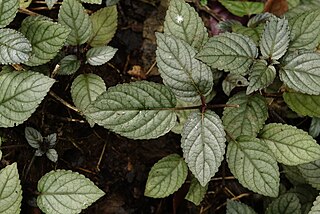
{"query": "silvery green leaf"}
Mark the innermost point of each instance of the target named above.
(230, 52)
(187, 77)
(92, 1)
(76, 193)
(290, 145)
(252, 33)
(10, 190)
(242, 8)
(33, 136)
(306, 195)
(232, 81)
(249, 118)
(287, 203)
(300, 71)
(275, 38)
(39, 152)
(166, 176)
(9, 9)
(72, 15)
(14, 47)
(203, 144)
(196, 192)
(235, 207)
(303, 104)
(259, 19)
(52, 155)
(139, 110)
(69, 65)
(311, 172)
(315, 209)
(50, 3)
(100, 55)
(51, 139)
(104, 26)
(254, 165)
(261, 76)
(314, 129)
(183, 22)
(46, 38)
(20, 94)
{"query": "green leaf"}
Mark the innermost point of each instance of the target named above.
(254, 165)
(72, 14)
(10, 190)
(303, 104)
(290, 145)
(9, 9)
(293, 174)
(104, 26)
(92, 1)
(242, 8)
(64, 191)
(183, 22)
(275, 38)
(249, 118)
(300, 71)
(203, 144)
(230, 52)
(139, 110)
(100, 55)
(196, 192)
(69, 65)
(235, 207)
(311, 172)
(262, 75)
(259, 19)
(33, 137)
(314, 129)
(305, 30)
(293, 3)
(252, 33)
(14, 47)
(287, 203)
(166, 176)
(232, 81)
(46, 38)
(181, 72)
(52, 155)
(20, 95)
(316, 206)
(24, 3)
(51, 3)
(306, 195)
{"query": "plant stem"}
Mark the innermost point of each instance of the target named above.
(65, 103)
(29, 167)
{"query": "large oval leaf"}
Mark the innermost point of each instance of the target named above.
(287, 203)
(65, 191)
(311, 172)
(72, 14)
(230, 52)
(10, 190)
(166, 176)
(254, 165)
(203, 144)
(14, 47)
(139, 110)
(249, 118)
(20, 95)
(235, 207)
(183, 21)
(303, 104)
(301, 72)
(9, 9)
(187, 77)
(291, 146)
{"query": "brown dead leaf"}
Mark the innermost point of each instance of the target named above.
(137, 72)
(276, 7)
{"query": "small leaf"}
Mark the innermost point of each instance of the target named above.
(10, 190)
(51, 139)
(9, 9)
(306, 195)
(230, 52)
(46, 38)
(314, 129)
(100, 55)
(232, 81)
(187, 77)
(63, 191)
(235, 207)
(69, 65)
(242, 8)
(301, 72)
(287, 203)
(50, 3)
(262, 75)
(21, 93)
(52, 155)
(305, 30)
(139, 110)
(92, 1)
(315, 209)
(259, 19)
(290, 145)
(303, 104)
(311, 172)
(275, 38)
(33, 137)
(203, 144)
(166, 176)
(72, 14)
(14, 47)
(254, 165)
(196, 192)
(252, 33)
(183, 22)
(249, 118)
(104, 26)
